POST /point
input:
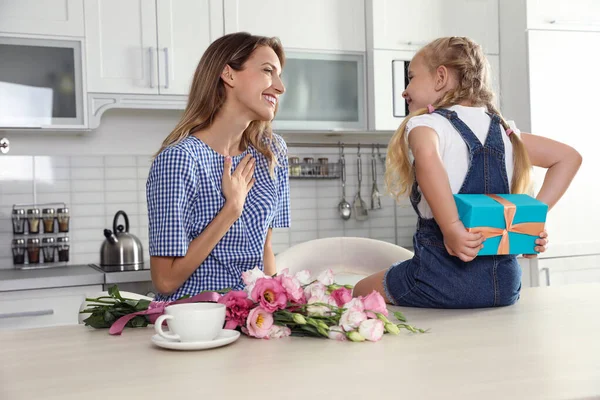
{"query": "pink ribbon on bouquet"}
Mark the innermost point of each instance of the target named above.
(157, 308)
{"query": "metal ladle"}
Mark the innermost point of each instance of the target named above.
(344, 207)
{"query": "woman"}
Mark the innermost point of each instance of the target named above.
(220, 183)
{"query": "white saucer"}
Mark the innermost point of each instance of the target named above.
(225, 337)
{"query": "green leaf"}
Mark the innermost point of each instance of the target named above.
(142, 305)
(96, 321)
(109, 317)
(399, 316)
(138, 321)
(114, 292)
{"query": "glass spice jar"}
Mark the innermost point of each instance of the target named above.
(62, 244)
(33, 219)
(18, 251)
(294, 166)
(18, 221)
(323, 166)
(33, 250)
(48, 215)
(62, 215)
(48, 249)
(308, 168)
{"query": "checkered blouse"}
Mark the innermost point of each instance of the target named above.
(184, 195)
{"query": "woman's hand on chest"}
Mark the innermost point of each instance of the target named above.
(236, 185)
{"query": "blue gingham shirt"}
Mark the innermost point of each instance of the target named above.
(184, 195)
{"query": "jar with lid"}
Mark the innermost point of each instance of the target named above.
(308, 168)
(294, 166)
(62, 244)
(48, 215)
(18, 221)
(33, 250)
(33, 217)
(49, 249)
(62, 215)
(323, 166)
(18, 251)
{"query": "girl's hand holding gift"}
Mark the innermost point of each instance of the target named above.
(461, 243)
(542, 244)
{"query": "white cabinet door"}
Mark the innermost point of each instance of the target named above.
(408, 25)
(580, 15)
(48, 17)
(44, 307)
(185, 29)
(569, 270)
(334, 25)
(121, 46)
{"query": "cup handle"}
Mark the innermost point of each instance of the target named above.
(158, 327)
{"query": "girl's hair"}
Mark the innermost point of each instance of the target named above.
(466, 58)
(207, 92)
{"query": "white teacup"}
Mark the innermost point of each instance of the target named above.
(192, 322)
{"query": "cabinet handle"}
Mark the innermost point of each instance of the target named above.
(566, 22)
(150, 60)
(27, 314)
(166, 50)
(412, 43)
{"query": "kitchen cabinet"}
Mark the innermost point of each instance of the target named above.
(581, 15)
(332, 25)
(408, 25)
(48, 17)
(148, 46)
(568, 270)
(43, 307)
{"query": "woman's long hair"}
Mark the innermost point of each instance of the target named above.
(207, 92)
(466, 58)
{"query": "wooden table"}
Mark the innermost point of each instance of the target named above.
(545, 347)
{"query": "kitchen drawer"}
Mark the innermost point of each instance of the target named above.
(40, 308)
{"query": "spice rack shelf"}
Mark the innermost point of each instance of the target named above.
(40, 238)
(315, 170)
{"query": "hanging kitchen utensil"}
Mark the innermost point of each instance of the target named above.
(344, 207)
(359, 205)
(375, 195)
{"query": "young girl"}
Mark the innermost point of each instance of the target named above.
(456, 141)
(219, 183)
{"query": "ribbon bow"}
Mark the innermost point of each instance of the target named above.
(510, 209)
(157, 308)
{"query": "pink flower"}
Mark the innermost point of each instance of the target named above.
(341, 296)
(237, 306)
(316, 289)
(270, 294)
(250, 277)
(354, 315)
(371, 329)
(259, 322)
(278, 332)
(292, 287)
(326, 277)
(374, 303)
(303, 277)
(337, 333)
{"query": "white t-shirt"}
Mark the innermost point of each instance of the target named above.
(453, 149)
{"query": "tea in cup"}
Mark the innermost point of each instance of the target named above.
(192, 322)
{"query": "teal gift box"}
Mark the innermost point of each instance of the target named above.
(510, 222)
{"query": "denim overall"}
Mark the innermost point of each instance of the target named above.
(435, 279)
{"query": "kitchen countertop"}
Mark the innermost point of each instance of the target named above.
(73, 275)
(544, 347)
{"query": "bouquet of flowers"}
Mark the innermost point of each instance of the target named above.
(271, 307)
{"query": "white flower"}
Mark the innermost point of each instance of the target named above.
(304, 277)
(326, 277)
(316, 289)
(250, 277)
(320, 310)
(371, 329)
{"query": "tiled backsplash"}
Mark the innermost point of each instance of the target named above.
(96, 187)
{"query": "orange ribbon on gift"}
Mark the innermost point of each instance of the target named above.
(510, 209)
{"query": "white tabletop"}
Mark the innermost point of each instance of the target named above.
(545, 347)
